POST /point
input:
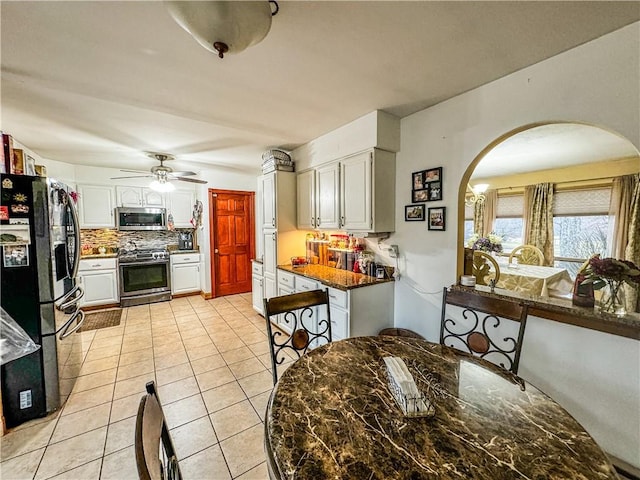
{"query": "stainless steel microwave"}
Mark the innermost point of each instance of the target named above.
(138, 218)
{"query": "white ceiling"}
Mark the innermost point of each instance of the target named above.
(101, 82)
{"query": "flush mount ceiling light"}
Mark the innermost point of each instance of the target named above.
(224, 27)
(476, 194)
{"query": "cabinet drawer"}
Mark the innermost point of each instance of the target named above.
(286, 279)
(339, 323)
(97, 264)
(305, 285)
(185, 258)
(256, 268)
(338, 298)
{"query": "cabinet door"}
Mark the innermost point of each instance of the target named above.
(151, 198)
(306, 196)
(96, 204)
(257, 293)
(355, 192)
(269, 200)
(327, 196)
(180, 205)
(285, 322)
(185, 278)
(129, 196)
(100, 287)
(270, 286)
(339, 323)
(270, 252)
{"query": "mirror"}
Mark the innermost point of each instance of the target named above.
(579, 159)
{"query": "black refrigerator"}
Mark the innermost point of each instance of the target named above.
(40, 240)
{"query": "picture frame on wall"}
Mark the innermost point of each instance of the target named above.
(418, 180)
(435, 191)
(414, 213)
(433, 175)
(420, 195)
(437, 218)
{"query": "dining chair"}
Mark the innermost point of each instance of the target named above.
(310, 326)
(477, 328)
(485, 268)
(527, 255)
(155, 455)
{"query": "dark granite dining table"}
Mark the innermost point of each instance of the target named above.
(332, 416)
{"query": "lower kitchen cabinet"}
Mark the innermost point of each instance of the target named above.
(99, 279)
(185, 273)
(257, 287)
(355, 312)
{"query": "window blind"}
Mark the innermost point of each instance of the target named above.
(582, 202)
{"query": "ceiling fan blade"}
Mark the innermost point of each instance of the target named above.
(182, 174)
(136, 176)
(192, 180)
(135, 171)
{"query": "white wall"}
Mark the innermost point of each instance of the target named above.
(596, 83)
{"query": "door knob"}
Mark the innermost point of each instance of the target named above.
(215, 250)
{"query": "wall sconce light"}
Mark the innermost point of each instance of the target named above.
(476, 194)
(224, 27)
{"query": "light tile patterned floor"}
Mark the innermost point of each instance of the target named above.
(210, 361)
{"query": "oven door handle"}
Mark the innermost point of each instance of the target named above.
(151, 262)
(64, 331)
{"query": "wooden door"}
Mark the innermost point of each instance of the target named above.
(231, 217)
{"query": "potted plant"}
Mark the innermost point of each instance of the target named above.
(611, 274)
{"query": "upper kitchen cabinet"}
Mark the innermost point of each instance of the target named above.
(138, 197)
(180, 205)
(278, 205)
(367, 192)
(95, 206)
(319, 197)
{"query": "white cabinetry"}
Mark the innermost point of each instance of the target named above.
(318, 197)
(138, 197)
(355, 312)
(180, 205)
(96, 204)
(257, 287)
(367, 189)
(185, 272)
(99, 279)
(356, 194)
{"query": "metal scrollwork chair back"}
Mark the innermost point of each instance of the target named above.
(155, 455)
(482, 338)
(527, 255)
(485, 268)
(310, 326)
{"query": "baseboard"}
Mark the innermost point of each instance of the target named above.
(188, 294)
(624, 468)
(206, 295)
(100, 307)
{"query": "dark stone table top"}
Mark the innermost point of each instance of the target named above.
(332, 416)
(335, 277)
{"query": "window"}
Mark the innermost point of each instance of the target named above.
(509, 223)
(580, 226)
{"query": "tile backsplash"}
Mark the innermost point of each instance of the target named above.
(113, 239)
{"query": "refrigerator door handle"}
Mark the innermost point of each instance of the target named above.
(76, 240)
(64, 331)
(70, 298)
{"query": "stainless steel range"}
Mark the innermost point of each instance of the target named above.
(144, 276)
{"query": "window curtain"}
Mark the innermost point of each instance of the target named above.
(538, 218)
(484, 213)
(624, 216)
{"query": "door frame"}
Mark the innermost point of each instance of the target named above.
(212, 193)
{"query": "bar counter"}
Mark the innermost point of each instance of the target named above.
(334, 277)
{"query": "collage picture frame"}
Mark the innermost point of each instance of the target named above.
(426, 185)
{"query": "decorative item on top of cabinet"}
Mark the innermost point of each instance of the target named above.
(185, 273)
(96, 205)
(138, 197)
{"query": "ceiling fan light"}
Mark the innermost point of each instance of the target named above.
(162, 186)
(233, 26)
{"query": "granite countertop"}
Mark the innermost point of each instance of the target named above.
(334, 277)
(332, 415)
(98, 255)
(562, 310)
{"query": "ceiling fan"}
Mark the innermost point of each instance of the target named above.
(162, 174)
